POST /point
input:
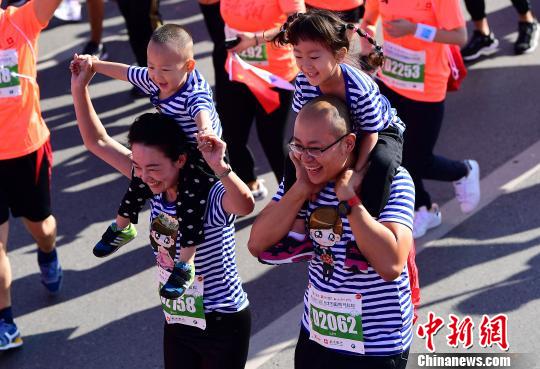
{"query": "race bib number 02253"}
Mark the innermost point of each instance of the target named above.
(403, 68)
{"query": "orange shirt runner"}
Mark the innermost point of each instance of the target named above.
(335, 5)
(257, 16)
(415, 68)
(22, 129)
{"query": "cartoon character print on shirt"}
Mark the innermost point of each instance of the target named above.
(163, 232)
(325, 230)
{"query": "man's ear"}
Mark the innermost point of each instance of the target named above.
(190, 65)
(350, 142)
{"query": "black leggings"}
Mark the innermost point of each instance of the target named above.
(222, 345)
(237, 108)
(216, 29)
(423, 121)
(477, 8)
(310, 355)
(142, 18)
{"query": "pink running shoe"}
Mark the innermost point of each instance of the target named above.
(288, 251)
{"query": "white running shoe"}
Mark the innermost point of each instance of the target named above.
(261, 192)
(468, 188)
(425, 219)
(69, 11)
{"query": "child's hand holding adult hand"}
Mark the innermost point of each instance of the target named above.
(81, 72)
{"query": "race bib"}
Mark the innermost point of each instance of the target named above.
(255, 55)
(403, 68)
(187, 309)
(10, 85)
(335, 320)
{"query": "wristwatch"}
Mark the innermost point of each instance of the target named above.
(345, 207)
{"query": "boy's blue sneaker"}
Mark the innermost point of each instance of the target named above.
(181, 278)
(113, 239)
(51, 276)
(10, 337)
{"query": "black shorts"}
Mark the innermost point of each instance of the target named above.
(25, 185)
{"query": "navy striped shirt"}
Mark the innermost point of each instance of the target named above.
(195, 95)
(370, 111)
(215, 259)
(387, 310)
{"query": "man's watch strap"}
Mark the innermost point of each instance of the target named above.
(345, 207)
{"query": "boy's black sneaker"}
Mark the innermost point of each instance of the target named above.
(527, 39)
(479, 45)
(93, 48)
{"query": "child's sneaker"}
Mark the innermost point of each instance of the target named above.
(51, 276)
(468, 188)
(180, 280)
(10, 337)
(113, 239)
(425, 219)
(288, 250)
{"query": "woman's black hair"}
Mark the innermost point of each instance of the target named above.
(160, 131)
(328, 29)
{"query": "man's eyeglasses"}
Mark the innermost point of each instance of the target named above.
(314, 152)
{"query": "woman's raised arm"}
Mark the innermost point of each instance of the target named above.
(92, 131)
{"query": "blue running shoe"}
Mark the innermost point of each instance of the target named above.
(10, 337)
(51, 276)
(181, 278)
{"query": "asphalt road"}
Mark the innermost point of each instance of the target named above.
(108, 316)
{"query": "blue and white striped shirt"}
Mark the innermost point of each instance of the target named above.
(195, 95)
(387, 310)
(215, 259)
(369, 110)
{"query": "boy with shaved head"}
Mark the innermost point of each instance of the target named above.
(177, 90)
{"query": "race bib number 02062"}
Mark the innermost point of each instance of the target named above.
(336, 320)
